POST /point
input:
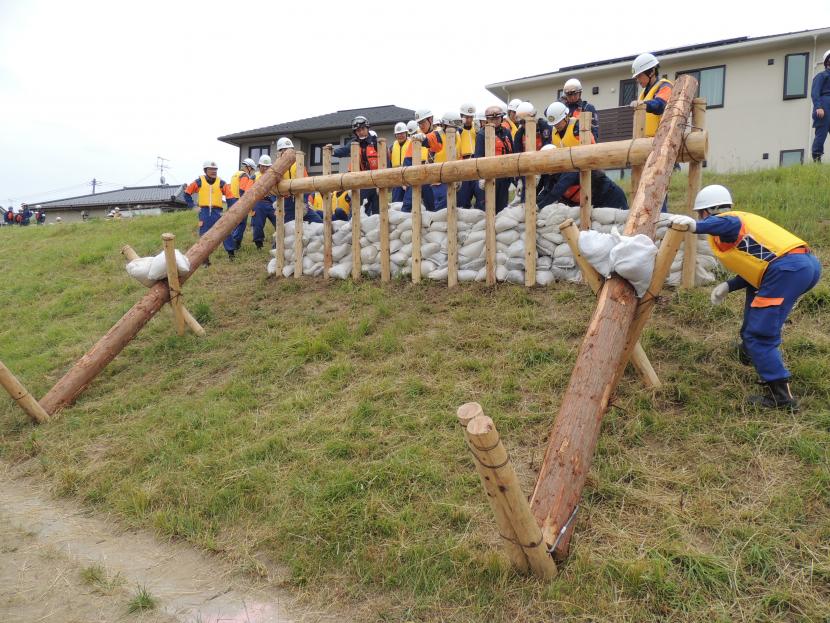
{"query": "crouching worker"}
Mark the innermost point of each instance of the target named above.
(565, 188)
(775, 266)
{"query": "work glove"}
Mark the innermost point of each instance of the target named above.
(634, 103)
(418, 136)
(481, 184)
(719, 293)
(682, 219)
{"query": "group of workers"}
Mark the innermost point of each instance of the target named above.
(24, 216)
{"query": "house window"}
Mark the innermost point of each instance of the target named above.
(255, 152)
(628, 91)
(791, 156)
(710, 84)
(559, 94)
(795, 75)
(316, 154)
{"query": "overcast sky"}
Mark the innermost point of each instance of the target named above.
(99, 89)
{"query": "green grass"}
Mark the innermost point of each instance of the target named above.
(313, 428)
(97, 577)
(141, 601)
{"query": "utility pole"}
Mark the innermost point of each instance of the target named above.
(94, 183)
(161, 165)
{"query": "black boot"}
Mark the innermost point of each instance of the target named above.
(817, 158)
(231, 256)
(743, 355)
(778, 396)
(258, 244)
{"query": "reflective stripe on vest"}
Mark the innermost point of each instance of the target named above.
(652, 120)
(759, 242)
(210, 195)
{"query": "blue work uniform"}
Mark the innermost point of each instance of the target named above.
(820, 93)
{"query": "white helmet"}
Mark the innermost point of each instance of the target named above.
(284, 143)
(547, 147)
(712, 197)
(265, 160)
(452, 118)
(525, 111)
(412, 127)
(400, 127)
(642, 63)
(423, 113)
(439, 120)
(572, 86)
(480, 116)
(210, 164)
(826, 56)
(468, 110)
(514, 104)
(556, 112)
(249, 163)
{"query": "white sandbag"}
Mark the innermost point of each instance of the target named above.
(544, 277)
(439, 274)
(288, 270)
(373, 235)
(469, 215)
(481, 275)
(399, 258)
(473, 236)
(544, 262)
(554, 237)
(396, 216)
(517, 249)
(340, 251)
(427, 267)
(504, 222)
(139, 269)
(632, 258)
(509, 236)
(395, 245)
(604, 216)
(438, 226)
(429, 249)
(596, 248)
(515, 263)
(501, 273)
(515, 276)
(341, 271)
(435, 236)
(472, 250)
(368, 254)
(158, 267)
(474, 265)
(406, 236)
(272, 266)
(466, 275)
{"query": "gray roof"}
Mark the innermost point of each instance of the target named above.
(127, 196)
(342, 119)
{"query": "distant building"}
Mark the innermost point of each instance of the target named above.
(131, 201)
(311, 134)
(757, 89)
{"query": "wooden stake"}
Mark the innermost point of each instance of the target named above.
(383, 199)
(639, 132)
(490, 208)
(357, 264)
(638, 356)
(279, 235)
(22, 396)
(466, 414)
(73, 383)
(585, 174)
(173, 280)
(576, 429)
(416, 217)
(687, 279)
(128, 252)
(530, 209)
(327, 214)
(452, 215)
(299, 213)
(491, 458)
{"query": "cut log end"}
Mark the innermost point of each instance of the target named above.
(467, 412)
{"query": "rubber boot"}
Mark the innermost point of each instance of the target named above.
(778, 396)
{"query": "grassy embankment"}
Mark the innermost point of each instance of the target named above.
(312, 434)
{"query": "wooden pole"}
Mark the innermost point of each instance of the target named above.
(585, 174)
(530, 209)
(687, 279)
(466, 414)
(416, 217)
(357, 264)
(173, 280)
(327, 213)
(383, 199)
(22, 396)
(279, 235)
(299, 213)
(452, 215)
(574, 435)
(611, 155)
(189, 320)
(73, 383)
(638, 356)
(495, 467)
(639, 132)
(490, 208)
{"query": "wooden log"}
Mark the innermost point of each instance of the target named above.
(466, 414)
(490, 208)
(73, 383)
(611, 155)
(416, 217)
(638, 356)
(383, 201)
(22, 396)
(327, 214)
(189, 320)
(491, 457)
(687, 278)
(279, 236)
(530, 208)
(357, 263)
(639, 131)
(299, 213)
(585, 198)
(452, 215)
(169, 241)
(574, 436)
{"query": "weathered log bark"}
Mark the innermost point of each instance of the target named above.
(383, 203)
(530, 209)
(490, 209)
(22, 396)
(173, 283)
(687, 279)
(76, 380)
(452, 217)
(585, 199)
(603, 351)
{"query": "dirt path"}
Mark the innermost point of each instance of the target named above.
(58, 564)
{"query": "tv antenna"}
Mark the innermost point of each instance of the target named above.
(161, 165)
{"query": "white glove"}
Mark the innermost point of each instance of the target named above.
(719, 293)
(634, 103)
(682, 219)
(418, 136)
(481, 184)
